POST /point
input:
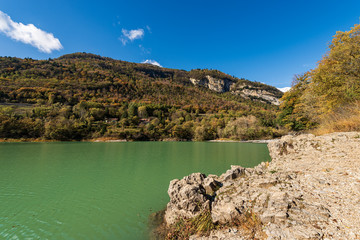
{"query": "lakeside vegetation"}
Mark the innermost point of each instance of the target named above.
(83, 96)
(327, 98)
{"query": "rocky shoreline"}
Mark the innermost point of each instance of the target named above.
(310, 190)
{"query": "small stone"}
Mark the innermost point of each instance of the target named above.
(211, 185)
(234, 172)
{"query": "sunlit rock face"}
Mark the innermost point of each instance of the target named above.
(215, 84)
(243, 90)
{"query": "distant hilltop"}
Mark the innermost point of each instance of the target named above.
(211, 79)
(91, 65)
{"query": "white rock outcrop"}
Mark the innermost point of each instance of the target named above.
(245, 91)
(215, 84)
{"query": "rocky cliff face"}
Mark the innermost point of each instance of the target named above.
(255, 93)
(215, 84)
(310, 190)
(244, 90)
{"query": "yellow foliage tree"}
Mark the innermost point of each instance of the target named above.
(324, 91)
(336, 80)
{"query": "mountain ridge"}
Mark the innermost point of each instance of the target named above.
(212, 79)
(87, 90)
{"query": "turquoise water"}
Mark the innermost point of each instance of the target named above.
(101, 190)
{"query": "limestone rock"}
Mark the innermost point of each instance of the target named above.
(215, 84)
(234, 172)
(256, 93)
(211, 185)
(310, 190)
(187, 198)
(244, 90)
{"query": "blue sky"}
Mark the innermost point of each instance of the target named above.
(261, 40)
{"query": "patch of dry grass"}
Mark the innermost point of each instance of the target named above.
(183, 229)
(345, 119)
(248, 224)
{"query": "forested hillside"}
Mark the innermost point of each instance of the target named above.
(85, 96)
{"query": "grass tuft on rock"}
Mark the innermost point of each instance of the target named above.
(183, 229)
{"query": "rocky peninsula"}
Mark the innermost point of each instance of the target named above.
(310, 190)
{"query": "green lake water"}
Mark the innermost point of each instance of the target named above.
(101, 190)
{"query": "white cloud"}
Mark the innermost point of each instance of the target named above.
(131, 35)
(284, 89)
(152, 62)
(29, 34)
(144, 50)
(123, 40)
